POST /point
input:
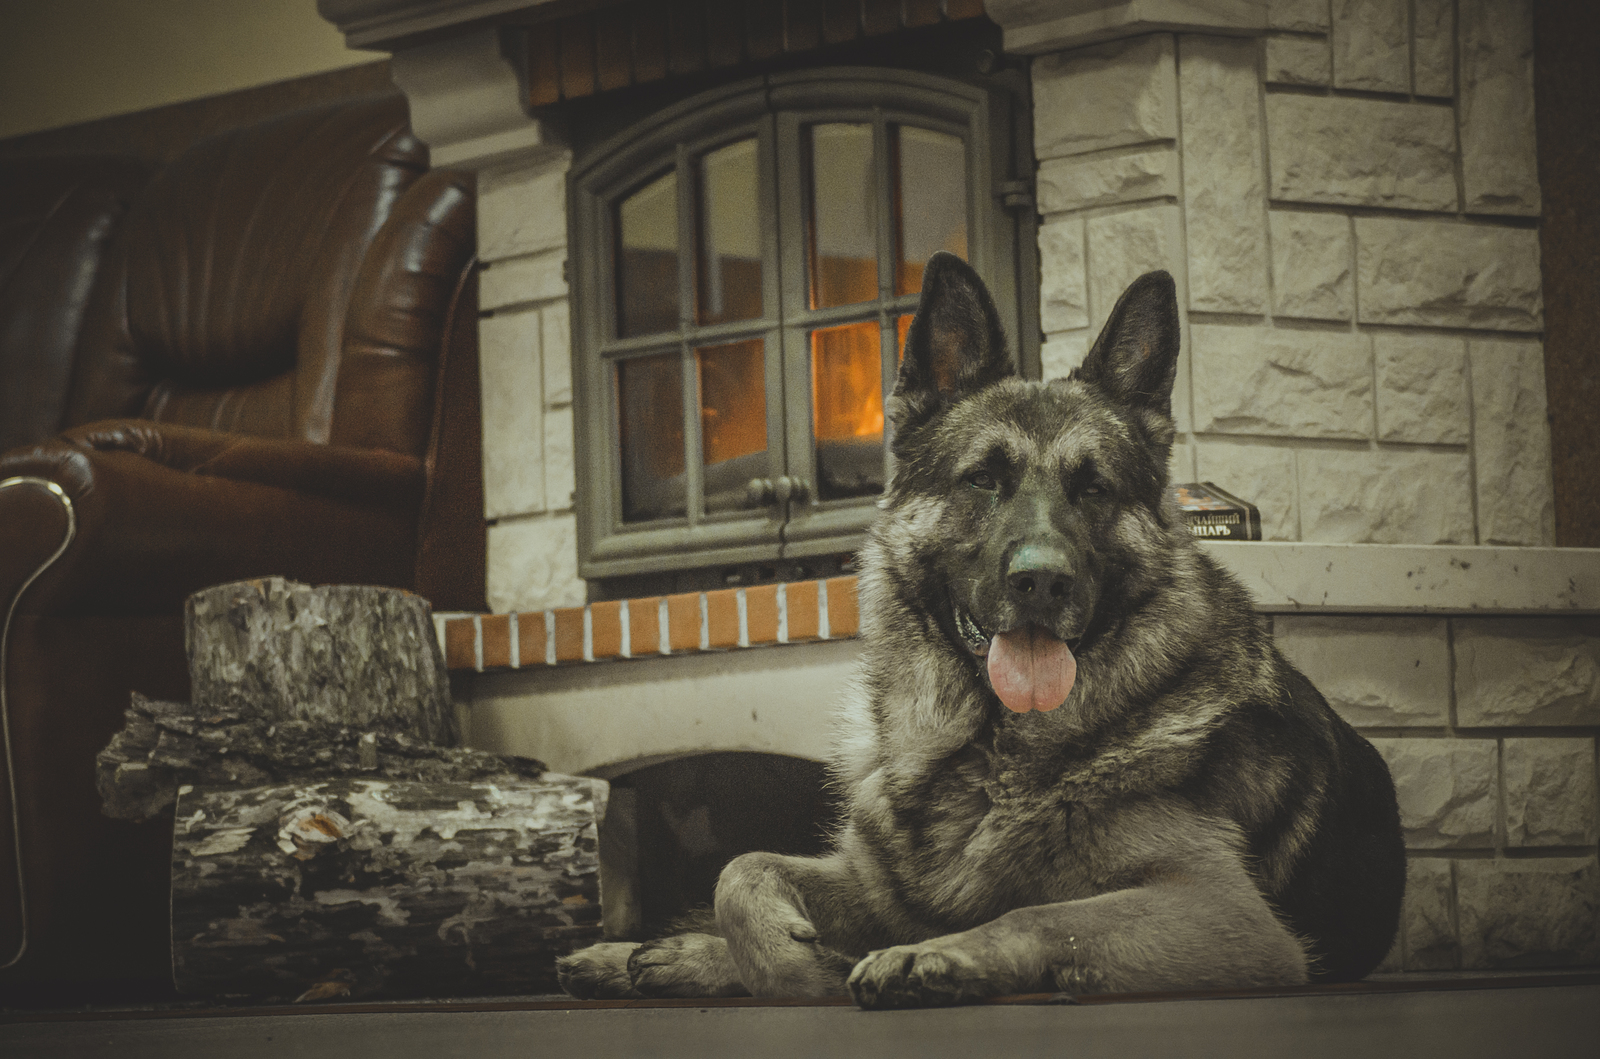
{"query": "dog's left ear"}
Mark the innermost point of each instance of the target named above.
(1136, 356)
(956, 343)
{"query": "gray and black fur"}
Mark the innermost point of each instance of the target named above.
(1192, 816)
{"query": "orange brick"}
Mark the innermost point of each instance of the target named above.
(569, 634)
(844, 618)
(722, 617)
(605, 629)
(496, 641)
(531, 638)
(460, 644)
(761, 613)
(803, 619)
(644, 626)
(683, 621)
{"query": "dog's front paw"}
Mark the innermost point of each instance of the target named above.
(685, 965)
(599, 972)
(916, 976)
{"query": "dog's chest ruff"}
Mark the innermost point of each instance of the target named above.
(999, 836)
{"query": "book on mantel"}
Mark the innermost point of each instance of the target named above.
(1216, 514)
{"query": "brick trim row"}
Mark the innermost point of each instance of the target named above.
(652, 626)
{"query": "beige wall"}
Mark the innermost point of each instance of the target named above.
(67, 61)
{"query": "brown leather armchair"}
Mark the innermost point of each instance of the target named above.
(276, 374)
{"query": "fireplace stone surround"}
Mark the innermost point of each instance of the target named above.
(1346, 192)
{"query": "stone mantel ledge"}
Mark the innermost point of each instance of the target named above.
(1283, 578)
(1414, 578)
(386, 25)
(1030, 26)
(1035, 26)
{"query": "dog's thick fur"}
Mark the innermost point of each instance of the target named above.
(1192, 816)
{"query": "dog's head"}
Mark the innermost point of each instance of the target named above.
(1036, 509)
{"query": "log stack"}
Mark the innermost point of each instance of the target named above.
(330, 839)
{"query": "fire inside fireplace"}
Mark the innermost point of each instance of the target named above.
(732, 380)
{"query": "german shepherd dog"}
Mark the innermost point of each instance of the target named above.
(1075, 760)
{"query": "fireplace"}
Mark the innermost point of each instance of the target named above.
(1348, 198)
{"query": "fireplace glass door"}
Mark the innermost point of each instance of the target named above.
(753, 267)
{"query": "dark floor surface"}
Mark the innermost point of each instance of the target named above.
(1555, 1017)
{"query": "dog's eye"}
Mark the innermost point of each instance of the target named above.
(1094, 489)
(982, 480)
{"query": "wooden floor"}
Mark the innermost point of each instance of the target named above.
(1552, 1016)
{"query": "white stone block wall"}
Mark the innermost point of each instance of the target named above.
(1350, 207)
(526, 356)
(1489, 729)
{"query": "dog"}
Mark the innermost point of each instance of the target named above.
(1075, 760)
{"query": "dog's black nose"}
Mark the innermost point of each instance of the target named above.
(1039, 575)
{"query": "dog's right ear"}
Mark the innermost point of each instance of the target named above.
(955, 344)
(1135, 359)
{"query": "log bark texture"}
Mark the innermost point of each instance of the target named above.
(339, 655)
(166, 745)
(360, 887)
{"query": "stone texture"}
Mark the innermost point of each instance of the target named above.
(1106, 179)
(1111, 95)
(560, 474)
(1298, 60)
(1511, 440)
(1124, 246)
(1063, 290)
(1370, 47)
(1260, 472)
(513, 421)
(1550, 792)
(1307, 15)
(1350, 496)
(522, 280)
(1499, 170)
(1180, 466)
(1426, 925)
(1541, 912)
(1377, 672)
(1311, 265)
(1448, 790)
(1422, 389)
(533, 565)
(1527, 671)
(1063, 352)
(1258, 380)
(522, 210)
(1222, 177)
(1433, 51)
(1362, 152)
(556, 333)
(1448, 275)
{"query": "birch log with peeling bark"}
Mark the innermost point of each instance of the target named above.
(384, 888)
(356, 656)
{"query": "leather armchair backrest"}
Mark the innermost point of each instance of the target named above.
(56, 216)
(223, 303)
(399, 309)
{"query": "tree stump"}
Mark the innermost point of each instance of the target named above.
(363, 887)
(330, 838)
(355, 656)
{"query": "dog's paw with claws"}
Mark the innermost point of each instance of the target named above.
(916, 976)
(599, 972)
(685, 965)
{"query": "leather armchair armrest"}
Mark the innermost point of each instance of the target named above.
(162, 511)
(365, 476)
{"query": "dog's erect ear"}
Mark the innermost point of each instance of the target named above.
(1135, 359)
(955, 344)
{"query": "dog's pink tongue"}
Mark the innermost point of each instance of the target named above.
(1030, 669)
